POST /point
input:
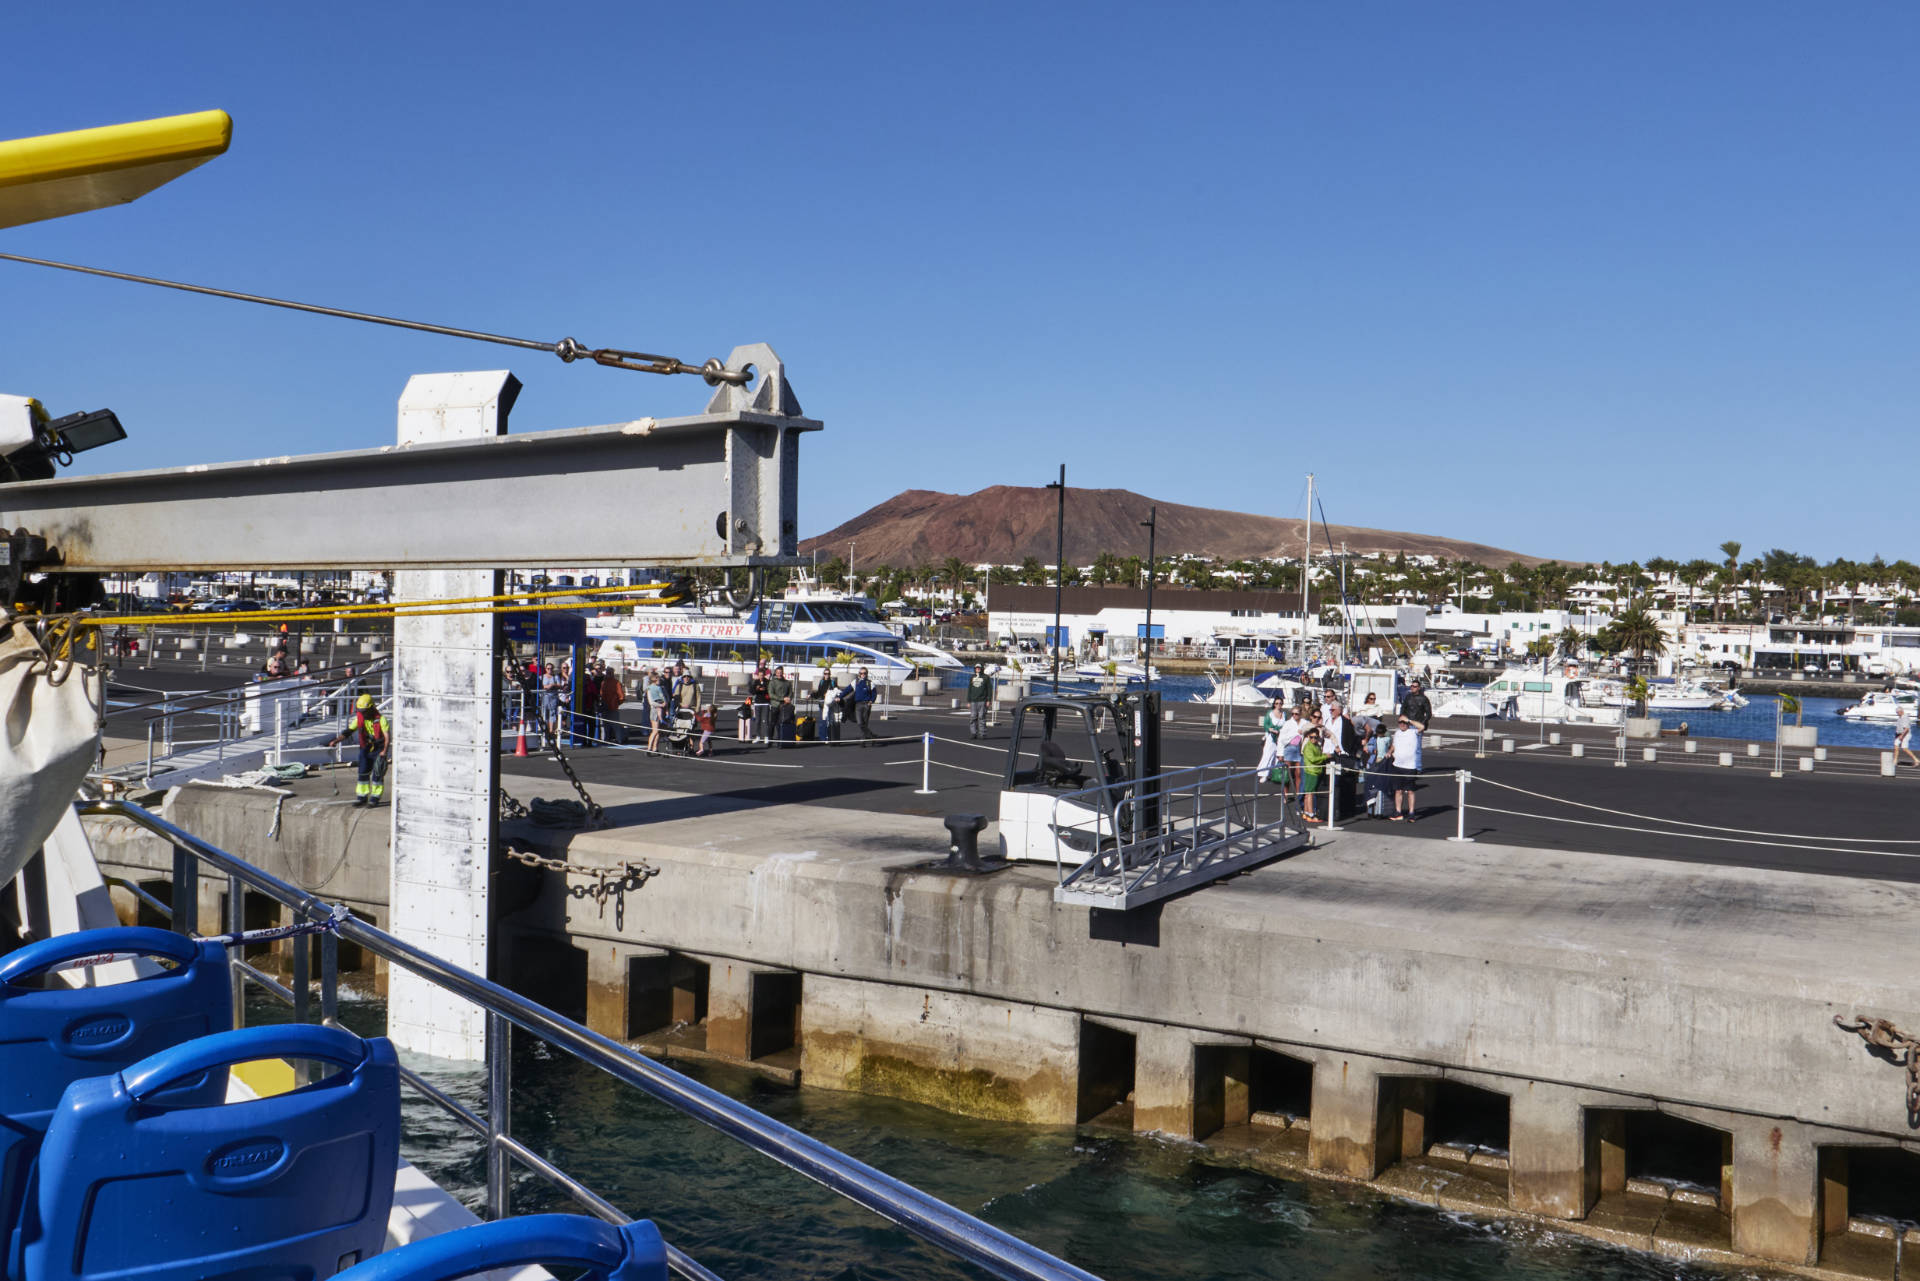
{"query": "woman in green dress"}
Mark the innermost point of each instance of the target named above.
(1313, 763)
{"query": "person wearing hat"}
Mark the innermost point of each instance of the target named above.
(979, 697)
(375, 734)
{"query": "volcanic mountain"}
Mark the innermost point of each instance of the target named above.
(1006, 524)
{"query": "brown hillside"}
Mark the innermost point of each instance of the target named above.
(1006, 524)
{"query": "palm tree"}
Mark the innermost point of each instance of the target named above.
(1636, 630)
(1731, 550)
(1694, 573)
(1571, 640)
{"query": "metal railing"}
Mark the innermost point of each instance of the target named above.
(1131, 842)
(258, 716)
(957, 1233)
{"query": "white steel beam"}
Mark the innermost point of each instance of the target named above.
(715, 489)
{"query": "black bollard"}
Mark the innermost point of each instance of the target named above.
(963, 841)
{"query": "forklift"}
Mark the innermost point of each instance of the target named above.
(1076, 770)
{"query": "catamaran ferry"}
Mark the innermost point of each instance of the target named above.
(806, 634)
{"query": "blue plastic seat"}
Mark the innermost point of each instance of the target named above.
(293, 1187)
(51, 1037)
(630, 1252)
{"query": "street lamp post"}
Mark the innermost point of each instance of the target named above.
(1152, 522)
(1059, 567)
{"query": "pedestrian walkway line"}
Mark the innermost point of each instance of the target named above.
(1677, 822)
(1692, 836)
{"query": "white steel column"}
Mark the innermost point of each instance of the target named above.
(446, 762)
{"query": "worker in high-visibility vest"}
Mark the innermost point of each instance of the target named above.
(375, 735)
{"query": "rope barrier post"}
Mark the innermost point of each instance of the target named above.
(1333, 796)
(1460, 810)
(926, 765)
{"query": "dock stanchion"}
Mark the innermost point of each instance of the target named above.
(1460, 810)
(926, 765)
(1578, 749)
(1333, 796)
(1480, 741)
(1620, 746)
(1887, 767)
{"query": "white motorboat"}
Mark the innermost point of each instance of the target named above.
(1550, 697)
(1681, 697)
(1472, 704)
(1253, 691)
(1884, 706)
(1119, 672)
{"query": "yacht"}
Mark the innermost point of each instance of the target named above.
(1120, 672)
(1884, 705)
(1679, 696)
(1550, 696)
(1254, 691)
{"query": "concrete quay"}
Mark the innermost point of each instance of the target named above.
(1636, 1049)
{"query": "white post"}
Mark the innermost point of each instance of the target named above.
(445, 682)
(1460, 811)
(1333, 796)
(926, 765)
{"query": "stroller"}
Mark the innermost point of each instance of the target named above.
(682, 730)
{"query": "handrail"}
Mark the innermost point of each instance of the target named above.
(958, 1233)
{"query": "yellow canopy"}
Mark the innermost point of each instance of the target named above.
(63, 173)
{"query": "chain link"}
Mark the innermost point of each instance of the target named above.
(607, 882)
(1903, 1049)
(530, 693)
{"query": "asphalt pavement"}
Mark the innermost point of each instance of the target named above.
(1840, 819)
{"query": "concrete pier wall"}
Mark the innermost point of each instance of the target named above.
(1641, 1051)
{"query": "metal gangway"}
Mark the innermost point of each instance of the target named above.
(958, 1234)
(1167, 834)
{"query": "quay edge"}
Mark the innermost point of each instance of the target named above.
(1339, 1013)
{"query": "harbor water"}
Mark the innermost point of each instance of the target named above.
(1754, 722)
(1126, 1207)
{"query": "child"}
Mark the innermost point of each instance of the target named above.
(705, 721)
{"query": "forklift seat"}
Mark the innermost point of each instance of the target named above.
(1055, 769)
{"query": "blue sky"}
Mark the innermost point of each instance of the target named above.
(1602, 281)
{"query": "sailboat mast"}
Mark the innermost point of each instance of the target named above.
(1306, 567)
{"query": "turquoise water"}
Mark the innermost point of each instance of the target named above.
(1753, 722)
(1125, 1207)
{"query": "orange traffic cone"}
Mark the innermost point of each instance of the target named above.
(520, 741)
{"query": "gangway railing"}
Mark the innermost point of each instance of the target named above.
(256, 717)
(934, 1221)
(1124, 844)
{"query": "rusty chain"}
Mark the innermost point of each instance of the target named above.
(608, 882)
(530, 694)
(1903, 1049)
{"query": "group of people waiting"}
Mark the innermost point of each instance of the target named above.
(771, 712)
(1299, 744)
(592, 708)
(774, 709)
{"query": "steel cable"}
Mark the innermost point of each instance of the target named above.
(568, 349)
